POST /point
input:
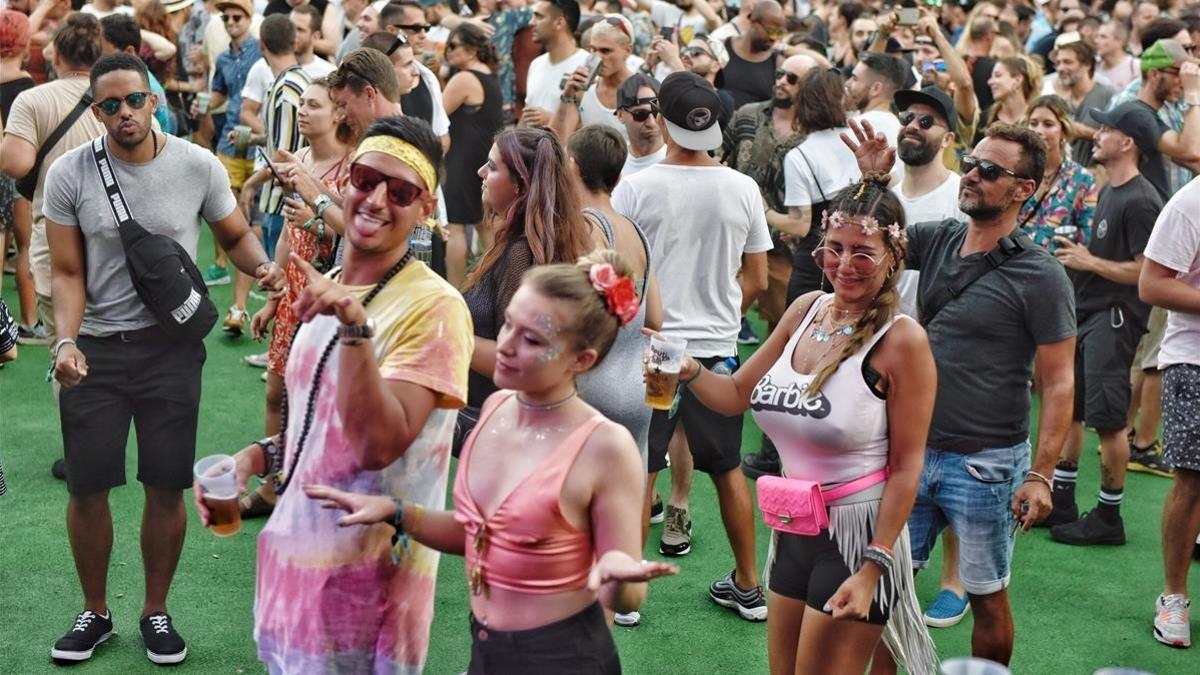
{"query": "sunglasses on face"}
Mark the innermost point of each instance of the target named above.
(111, 106)
(232, 18)
(642, 114)
(696, 51)
(924, 121)
(792, 78)
(399, 191)
(414, 27)
(862, 264)
(989, 171)
(773, 33)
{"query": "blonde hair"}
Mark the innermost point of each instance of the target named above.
(592, 324)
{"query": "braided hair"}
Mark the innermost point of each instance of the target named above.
(870, 197)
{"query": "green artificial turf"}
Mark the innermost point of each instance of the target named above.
(1076, 609)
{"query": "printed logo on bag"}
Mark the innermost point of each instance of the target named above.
(791, 399)
(185, 311)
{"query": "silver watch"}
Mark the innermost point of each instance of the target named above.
(363, 330)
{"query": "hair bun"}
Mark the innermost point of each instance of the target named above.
(879, 179)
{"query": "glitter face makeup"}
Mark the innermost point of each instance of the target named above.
(553, 349)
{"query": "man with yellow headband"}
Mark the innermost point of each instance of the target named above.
(375, 375)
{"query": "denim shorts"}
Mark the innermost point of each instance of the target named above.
(972, 494)
(272, 227)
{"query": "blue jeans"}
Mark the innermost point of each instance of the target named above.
(272, 227)
(972, 494)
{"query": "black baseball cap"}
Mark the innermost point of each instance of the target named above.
(690, 107)
(1135, 120)
(933, 97)
(627, 92)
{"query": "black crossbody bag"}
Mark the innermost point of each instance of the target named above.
(27, 184)
(163, 274)
(1007, 248)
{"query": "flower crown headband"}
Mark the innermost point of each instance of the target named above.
(869, 225)
(619, 295)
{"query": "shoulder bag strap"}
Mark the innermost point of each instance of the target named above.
(1008, 247)
(816, 180)
(60, 131)
(116, 198)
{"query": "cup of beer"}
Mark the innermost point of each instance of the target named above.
(202, 100)
(217, 477)
(662, 370)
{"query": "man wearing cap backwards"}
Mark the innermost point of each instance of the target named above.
(705, 222)
(113, 360)
(381, 356)
(1168, 74)
(756, 140)
(1111, 320)
(638, 97)
(986, 340)
(611, 39)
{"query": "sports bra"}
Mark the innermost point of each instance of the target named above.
(527, 545)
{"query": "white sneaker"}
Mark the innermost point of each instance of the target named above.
(628, 620)
(1171, 620)
(256, 360)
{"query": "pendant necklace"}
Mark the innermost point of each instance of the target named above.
(820, 334)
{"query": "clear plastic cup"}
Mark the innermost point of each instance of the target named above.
(973, 666)
(662, 370)
(217, 477)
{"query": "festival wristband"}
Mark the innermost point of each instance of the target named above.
(321, 203)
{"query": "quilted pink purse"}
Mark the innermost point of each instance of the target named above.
(798, 506)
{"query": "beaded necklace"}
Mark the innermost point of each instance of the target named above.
(311, 405)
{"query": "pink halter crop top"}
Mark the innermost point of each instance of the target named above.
(527, 545)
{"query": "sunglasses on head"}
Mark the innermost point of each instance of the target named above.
(792, 78)
(619, 24)
(988, 170)
(415, 27)
(399, 191)
(399, 42)
(924, 121)
(111, 106)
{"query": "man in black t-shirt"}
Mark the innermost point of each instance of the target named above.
(1111, 320)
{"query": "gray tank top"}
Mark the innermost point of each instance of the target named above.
(615, 387)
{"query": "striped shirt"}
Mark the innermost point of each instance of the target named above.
(280, 107)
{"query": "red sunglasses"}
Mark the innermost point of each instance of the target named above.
(400, 192)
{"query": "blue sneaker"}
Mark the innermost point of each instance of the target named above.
(946, 610)
(747, 336)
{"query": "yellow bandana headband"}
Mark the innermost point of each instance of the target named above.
(405, 152)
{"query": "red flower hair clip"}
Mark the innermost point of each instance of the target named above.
(619, 294)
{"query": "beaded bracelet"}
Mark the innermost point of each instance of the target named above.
(400, 538)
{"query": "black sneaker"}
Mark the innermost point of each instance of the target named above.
(1063, 513)
(78, 644)
(656, 511)
(750, 604)
(163, 644)
(59, 469)
(765, 462)
(1150, 460)
(1090, 530)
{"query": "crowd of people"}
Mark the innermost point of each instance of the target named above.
(466, 223)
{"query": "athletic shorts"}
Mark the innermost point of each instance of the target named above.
(1181, 415)
(811, 569)
(238, 169)
(1103, 355)
(715, 439)
(1146, 358)
(972, 494)
(581, 644)
(154, 383)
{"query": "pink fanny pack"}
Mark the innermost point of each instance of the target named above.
(798, 506)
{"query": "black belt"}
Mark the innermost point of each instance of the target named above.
(139, 335)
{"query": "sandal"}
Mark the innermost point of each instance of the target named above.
(255, 505)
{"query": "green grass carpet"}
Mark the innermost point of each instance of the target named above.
(1076, 610)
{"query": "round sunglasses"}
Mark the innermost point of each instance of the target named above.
(400, 192)
(111, 106)
(926, 122)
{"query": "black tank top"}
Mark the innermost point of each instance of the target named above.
(418, 102)
(747, 81)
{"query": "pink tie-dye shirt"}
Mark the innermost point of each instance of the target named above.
(330, 599)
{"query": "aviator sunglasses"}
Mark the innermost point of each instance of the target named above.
(111, 106)
(989, 171)
(399, 191)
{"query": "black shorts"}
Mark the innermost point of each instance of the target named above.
(715, 439)
(1103, 355)
(155, 383)
(581, 644)
(811, 569)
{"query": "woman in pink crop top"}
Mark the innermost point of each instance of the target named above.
(845, 389)
(548, 495)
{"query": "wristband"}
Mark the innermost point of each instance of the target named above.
(879, 557)
(690, 380)
(1033, 475)
(321, 203)
(59, 345)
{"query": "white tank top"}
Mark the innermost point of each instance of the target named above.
(839, 436)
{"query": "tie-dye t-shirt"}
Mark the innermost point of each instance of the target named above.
(330, 599)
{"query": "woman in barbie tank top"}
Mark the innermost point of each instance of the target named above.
(548, 495)
(845, 389)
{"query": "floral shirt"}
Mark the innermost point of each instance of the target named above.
(507, 23)
(1065, 210)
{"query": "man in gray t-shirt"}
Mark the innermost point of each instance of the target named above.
(986, 341)
(115, 364)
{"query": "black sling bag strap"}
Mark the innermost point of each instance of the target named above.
(163, 274)
(1007, 248)
(28, 183)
